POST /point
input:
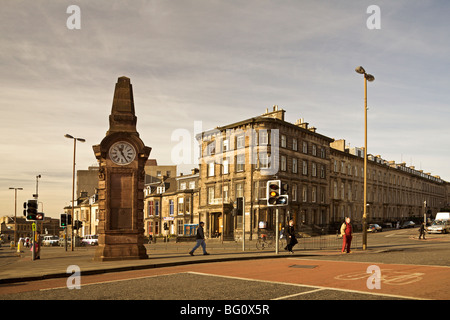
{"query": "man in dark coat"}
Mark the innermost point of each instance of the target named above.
(200, 240)
(290, 237)
(422, 231)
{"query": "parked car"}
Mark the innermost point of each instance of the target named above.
(90, 240)
(439, 226)
(62, 242)
(374, 228)
(50, 241)
(408, 224)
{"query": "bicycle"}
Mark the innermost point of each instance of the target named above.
(265, 241)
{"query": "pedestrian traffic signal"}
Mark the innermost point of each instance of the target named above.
(277, 193)
(30, 209)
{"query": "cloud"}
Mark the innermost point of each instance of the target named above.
(217, 62)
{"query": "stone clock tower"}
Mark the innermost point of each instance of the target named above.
(121, 156)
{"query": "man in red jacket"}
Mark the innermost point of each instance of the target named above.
(346, 232)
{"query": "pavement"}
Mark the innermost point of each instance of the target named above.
(55, 262)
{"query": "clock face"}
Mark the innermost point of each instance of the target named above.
(122, 153)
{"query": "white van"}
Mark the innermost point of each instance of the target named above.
(443, 216)
(441, 224)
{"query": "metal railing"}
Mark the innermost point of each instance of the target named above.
(332, 242)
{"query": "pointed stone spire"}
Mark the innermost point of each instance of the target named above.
(122, 118)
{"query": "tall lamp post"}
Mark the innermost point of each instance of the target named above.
(370, 78)
(15, 213)
(68, 136)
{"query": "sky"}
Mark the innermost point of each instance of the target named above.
(216, 62)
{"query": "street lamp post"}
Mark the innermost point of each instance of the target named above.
(370, 78)
(73, 183)
(15, 213)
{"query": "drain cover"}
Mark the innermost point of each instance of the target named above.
(303, 266)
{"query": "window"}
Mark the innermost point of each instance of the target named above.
(225, 167)
(157, 208)
(305, 147)
(211, 169)
(294, 144)
(239, 190)
(314, 150)
(211, 148)
(225, 193)
(322, 171)
(263, 138)
(305, 193)
(314, 194)
(182, 185)
(226, 145)
(263, 160)
(240, 161)
(283, 163)
(180, 227)
(160, 189)
(335, 190)
(262, 190)
(294, 165)
(294, 192)
(350, 192)
(305, 168)
(188, 206)
(180, 205)
(314, 170)
(210, 195)
(171, 207)
(151, 208)
(240, 141)
(283, 141)
(191, 184)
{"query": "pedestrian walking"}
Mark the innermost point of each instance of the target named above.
(422, 231)
(346, 233)
(290, 237)
(200, 240)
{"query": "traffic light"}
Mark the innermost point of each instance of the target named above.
(78, 224)
(277, 193)
(66, 219)
(240, 206)
(30, 209)
(284, 197)
(273, 191)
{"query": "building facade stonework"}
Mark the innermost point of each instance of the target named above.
(325, 181)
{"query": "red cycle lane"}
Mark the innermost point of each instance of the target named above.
(396, 280)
